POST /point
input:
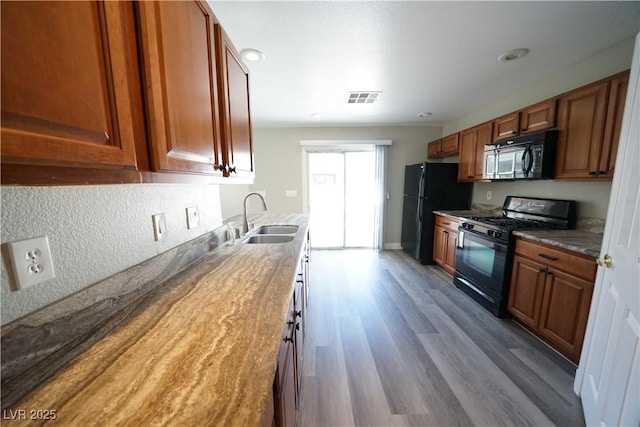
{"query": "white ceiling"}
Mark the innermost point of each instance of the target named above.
(425, 56)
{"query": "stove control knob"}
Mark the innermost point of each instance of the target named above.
(467, 226)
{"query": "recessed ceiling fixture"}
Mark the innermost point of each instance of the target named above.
(427, 114)
(514, 54)
(363, 97)
(316, 115)
(252, 55)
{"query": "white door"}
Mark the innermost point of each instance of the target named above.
(608, 377)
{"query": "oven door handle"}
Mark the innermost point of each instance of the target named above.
(460, 243)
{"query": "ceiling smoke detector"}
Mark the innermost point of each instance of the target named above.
(514, 54)
(363, 97)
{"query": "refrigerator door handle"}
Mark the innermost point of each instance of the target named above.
(420, 197)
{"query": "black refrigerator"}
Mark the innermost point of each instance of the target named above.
(429, 187)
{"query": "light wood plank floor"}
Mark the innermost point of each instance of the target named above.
(391, 342)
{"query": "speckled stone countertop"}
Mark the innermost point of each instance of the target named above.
(203, 354)
(573, 240)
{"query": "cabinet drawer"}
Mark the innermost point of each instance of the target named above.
(577, 265)
(448, 223)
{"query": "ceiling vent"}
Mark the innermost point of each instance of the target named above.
(363, 97)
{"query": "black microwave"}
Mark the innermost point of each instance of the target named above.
(531, 156)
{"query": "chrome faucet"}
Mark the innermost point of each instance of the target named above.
(245, 224)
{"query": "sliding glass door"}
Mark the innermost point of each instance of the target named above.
(342, 198)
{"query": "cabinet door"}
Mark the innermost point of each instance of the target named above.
(439, 245)
(526, 291)
(433, 149)
(450, 252)
(449, 144)
(538, 117)
(564, 313)
(506, 126)
(483, 137)
(613, 124)
(177, 40)
(235, 114)
(581, 125)
(466, 167)
(69, 87)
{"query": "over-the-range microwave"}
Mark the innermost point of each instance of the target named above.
(531, 156)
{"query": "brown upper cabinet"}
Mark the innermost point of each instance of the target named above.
(585, 150)
(446, 146)
(539, 116)
(181, 93)
(533, 118)
(133, 94)
(472, 142)
(233, 78)
(506, 126)
(69, 98)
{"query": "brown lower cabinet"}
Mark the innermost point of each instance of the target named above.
(550, 294)
(283, 407)
(444, 243)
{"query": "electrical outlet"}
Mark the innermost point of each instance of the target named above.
(159, 226)
(489, 195)
(31, 261)
(193, 217)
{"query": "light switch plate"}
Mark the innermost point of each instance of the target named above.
(193, 217)
(159, 226)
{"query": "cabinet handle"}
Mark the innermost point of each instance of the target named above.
(513, 132)
(223, 168)
(549, 257)
(469, 176)
(545, 270)
(446, 223)
(287, 339)
(297, 326)
(297, 313)
(593, 173)
(232, 169)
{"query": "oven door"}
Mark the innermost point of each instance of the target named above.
(482, 263)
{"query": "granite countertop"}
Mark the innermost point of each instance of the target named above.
(582, 242)
(203, 354)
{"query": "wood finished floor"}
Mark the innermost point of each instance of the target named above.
(393, 343)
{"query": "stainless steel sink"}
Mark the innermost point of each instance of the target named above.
(277, 229)
(268, 238)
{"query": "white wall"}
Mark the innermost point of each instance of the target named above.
(96, 231)
(279, 163)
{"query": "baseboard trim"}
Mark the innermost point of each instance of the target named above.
(393, 246)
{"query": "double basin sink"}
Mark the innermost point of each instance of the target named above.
(272, 234)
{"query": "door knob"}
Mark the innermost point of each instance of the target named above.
(605, 262)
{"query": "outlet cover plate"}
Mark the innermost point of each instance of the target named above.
(31, 261)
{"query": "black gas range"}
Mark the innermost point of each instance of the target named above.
(486, 244)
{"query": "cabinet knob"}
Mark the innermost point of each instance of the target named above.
(607, 261)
